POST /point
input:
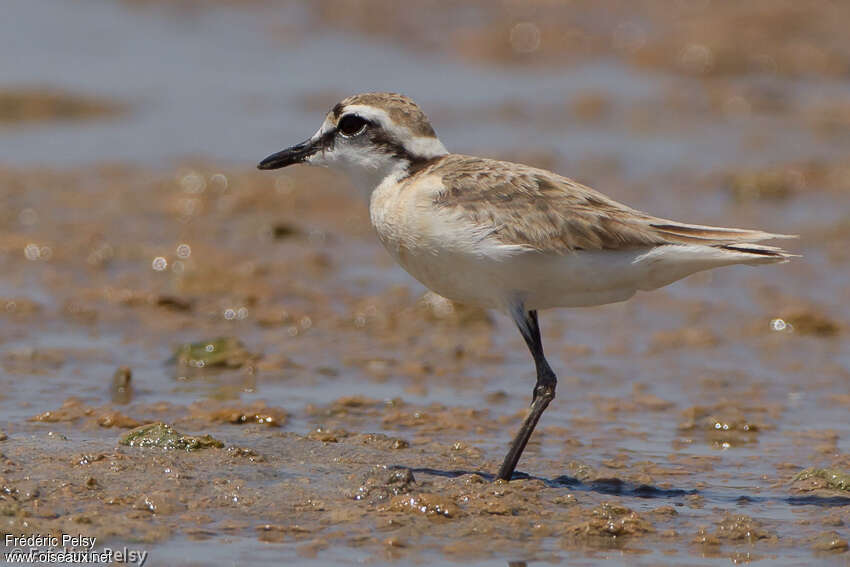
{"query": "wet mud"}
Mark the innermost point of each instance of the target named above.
(218, 412)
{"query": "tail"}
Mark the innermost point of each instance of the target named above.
(738, 242)
(758, 253)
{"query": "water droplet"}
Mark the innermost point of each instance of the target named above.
(159, 263)
(219, 181)
(192, 182)
(696, 58)
(32, 251)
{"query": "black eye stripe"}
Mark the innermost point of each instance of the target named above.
(351, 124)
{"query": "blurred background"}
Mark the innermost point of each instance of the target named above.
(150, 273)
(642, 82)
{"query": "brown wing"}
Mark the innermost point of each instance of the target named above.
(539, 209)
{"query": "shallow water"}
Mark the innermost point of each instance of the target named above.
(646, 387)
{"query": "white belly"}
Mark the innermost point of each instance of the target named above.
(540, 281)
(546, 280)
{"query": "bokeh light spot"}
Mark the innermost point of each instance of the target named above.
(191, 181)
(629, 36)
(525, 37)
(219, 181)
(32, 251)
(696, 58)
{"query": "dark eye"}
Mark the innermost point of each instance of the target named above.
(351, 125)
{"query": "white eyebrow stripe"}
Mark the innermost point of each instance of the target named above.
(425, 146)
(371, 113)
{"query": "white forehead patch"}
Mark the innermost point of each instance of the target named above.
(326, 126)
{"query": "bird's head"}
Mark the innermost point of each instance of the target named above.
(369, 137)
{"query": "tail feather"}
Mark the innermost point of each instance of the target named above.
(738, 243)
(761, 254)
(695, 233)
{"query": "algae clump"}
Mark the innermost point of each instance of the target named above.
(222, 352)
(834, 479)
(164, 436)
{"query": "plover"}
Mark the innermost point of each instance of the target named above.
(503, 235)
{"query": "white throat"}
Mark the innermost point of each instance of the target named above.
(367, 170)
(366, 177)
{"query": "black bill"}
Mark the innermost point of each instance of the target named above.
(289, 156)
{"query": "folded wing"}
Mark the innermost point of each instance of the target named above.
(534, 208)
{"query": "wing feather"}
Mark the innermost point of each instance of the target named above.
(534, 208)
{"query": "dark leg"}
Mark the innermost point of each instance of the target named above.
(544, 390)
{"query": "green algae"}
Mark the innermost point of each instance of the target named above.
(164, 436)
(835, 480)
(221, 352)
